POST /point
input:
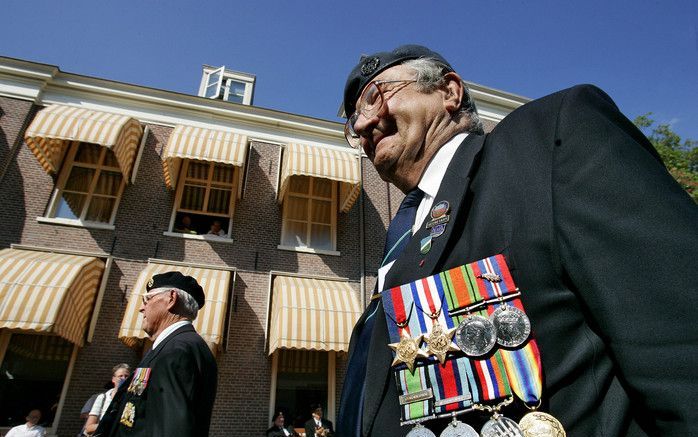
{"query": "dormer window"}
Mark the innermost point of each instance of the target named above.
(223, 84)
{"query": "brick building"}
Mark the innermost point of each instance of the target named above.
(103, 184)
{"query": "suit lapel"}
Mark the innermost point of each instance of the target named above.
(153, 353)
(407, 268)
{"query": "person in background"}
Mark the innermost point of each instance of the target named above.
(185, 225)
(318, 426)
(216, 229)
(279, 428)
(29, 429)
(119, 374)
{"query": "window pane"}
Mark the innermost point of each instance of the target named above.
(31, 376)
(296, 208)
(322, 211)
(321, 237)
(223, 173)
(322, 188)
(198, 170)
(108, 183)
(193, 197)
(212, 85)
(89, 153)
(295, 234)
(299, 184)
(100, 209)
(70, 205)
(300, 382)
(80, 179)
(219, 201)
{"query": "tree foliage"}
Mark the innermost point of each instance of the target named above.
(680, 158)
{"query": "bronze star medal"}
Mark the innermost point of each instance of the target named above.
(407, 350)
(440, 342)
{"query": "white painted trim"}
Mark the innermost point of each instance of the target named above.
(331, 385)
(196, 265)
(75, 223)
(66, 382)
(57, 250)
(272, 388)
(99, 298)
(204, 237)
(309, 250)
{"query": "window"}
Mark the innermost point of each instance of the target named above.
(301, 380)
(32, 374)
(89, 186)
(223, 84)
(310, 213)
(205, 198)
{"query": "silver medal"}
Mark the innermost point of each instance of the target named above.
(512, 325)
(476, 335)
(420, 431)
(459, 429)
(500, 426)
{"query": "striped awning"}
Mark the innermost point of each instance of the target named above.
(322, 162)
(189, 142)
(312, 314)
(48, 292)
(55, 126)
(210, 321)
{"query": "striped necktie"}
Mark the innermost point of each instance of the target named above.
(400, 228)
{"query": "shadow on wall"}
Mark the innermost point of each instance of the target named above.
(12, 213)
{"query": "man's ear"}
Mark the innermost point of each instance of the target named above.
(172, 300)
(453, 92)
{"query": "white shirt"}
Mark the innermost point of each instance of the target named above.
(25, 431)
(102, 403)
(169, 330)
(430, 184)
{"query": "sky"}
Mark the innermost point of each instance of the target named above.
(643, 53)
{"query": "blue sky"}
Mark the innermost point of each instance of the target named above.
(643, 53)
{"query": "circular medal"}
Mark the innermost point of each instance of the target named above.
(440, 209)
(459, 429)
(476, 335)
(539, 424)
(420, 431)
(512, 325)
(501, 427)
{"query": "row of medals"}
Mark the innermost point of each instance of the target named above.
(475, 336)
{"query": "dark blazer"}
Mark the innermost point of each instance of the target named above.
(603, 244)
(179, 396)
(310, 427)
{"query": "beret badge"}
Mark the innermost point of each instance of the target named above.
(370, 65)
(150, 283)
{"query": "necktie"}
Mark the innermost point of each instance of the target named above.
(399, 233)
(400, 228)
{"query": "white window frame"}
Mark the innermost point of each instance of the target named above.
(65, 171)
(180, 190)
(333, 221)
(5, 336)
(224, 84)
(206, 84)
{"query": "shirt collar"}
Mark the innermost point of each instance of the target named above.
(435, 171)
(169, 330)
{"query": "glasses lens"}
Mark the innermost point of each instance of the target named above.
(350, 134)
(371, 101)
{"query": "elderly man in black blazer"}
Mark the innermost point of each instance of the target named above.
(599, 239)
(172, 391)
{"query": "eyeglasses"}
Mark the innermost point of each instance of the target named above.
(145, 297)
(369, 104)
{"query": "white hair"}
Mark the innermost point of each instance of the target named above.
(429, 74)
(189, 307)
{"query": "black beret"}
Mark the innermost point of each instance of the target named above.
(370, 66)
(177, 280)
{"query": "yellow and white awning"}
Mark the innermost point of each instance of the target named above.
(322, 162)
(55, 126)
(209, 323)
(312, 314)
(48, 292)
(189, 142)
